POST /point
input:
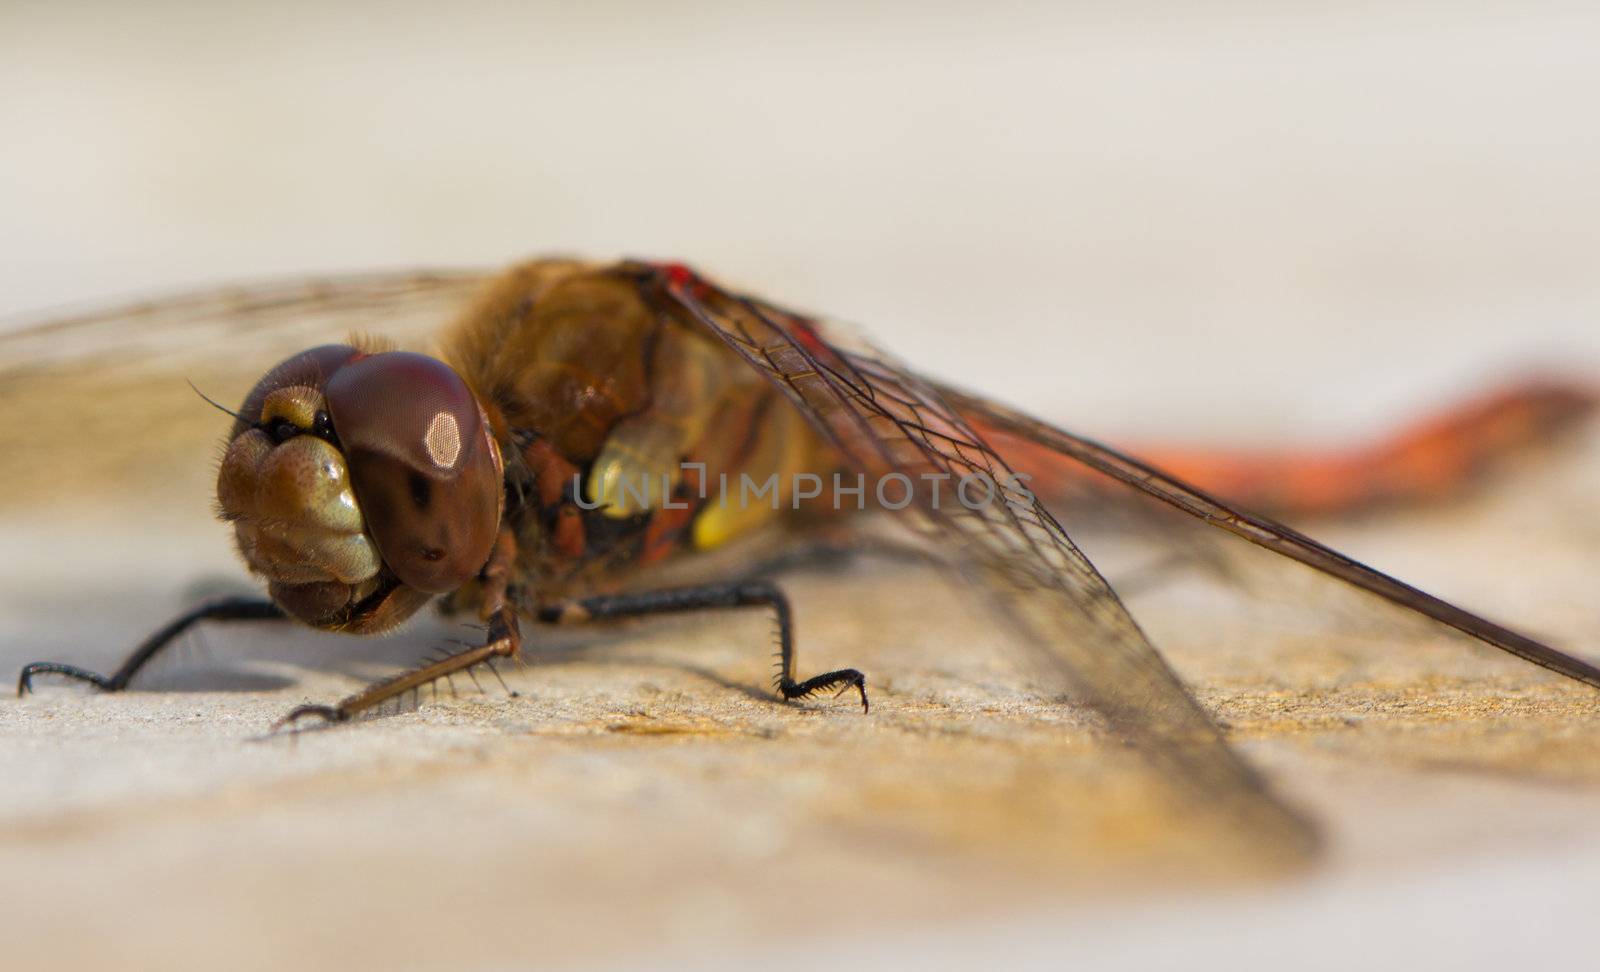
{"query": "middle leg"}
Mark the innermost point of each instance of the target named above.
(708, 597)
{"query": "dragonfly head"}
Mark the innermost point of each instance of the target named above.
(360, 484)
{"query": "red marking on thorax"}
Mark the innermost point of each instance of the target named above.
(668, 523)
(551, 473)
(551, 470)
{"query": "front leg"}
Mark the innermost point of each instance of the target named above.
(504, 640)
(710, 596)
(228, 609)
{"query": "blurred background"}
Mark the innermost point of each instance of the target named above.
(1237, 219)
(1241, 221)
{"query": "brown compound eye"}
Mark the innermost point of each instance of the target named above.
(423, 464)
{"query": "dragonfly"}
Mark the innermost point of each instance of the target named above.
(573, 437)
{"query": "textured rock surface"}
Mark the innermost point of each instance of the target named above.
(642, 796)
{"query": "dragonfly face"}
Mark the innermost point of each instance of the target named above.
(359, 484)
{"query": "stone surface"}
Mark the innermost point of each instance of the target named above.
(642, 797)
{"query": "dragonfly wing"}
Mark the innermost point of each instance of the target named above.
(1006, 424)
(887, 422)
(100, 400)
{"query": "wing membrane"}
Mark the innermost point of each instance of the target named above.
(886, 421)
(1264, 532)
(107, 391)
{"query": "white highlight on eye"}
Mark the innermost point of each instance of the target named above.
(443, 440)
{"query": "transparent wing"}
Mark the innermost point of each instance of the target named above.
(887, 421)
(1003, 424)
(100, 401)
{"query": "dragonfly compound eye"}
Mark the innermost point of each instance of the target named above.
(343, 463)
(424, 465)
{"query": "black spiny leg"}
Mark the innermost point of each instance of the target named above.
(744, 594)
(229, 609)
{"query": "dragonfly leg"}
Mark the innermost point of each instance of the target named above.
(504, 640)
(229, 609)
(708, 597)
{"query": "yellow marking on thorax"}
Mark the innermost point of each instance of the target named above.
(783, 448)
(639, 465)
